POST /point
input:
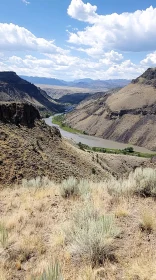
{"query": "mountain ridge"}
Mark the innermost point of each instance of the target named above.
(82, 83)
(15, 89)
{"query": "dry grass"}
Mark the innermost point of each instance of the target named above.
(142, 268)
(81, 233)
(122, 209)
(148, 220)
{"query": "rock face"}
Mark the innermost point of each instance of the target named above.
(128, 115)
(19, 114)
(15, 89)
(147, 78)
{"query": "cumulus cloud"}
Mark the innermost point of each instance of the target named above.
(123, 32)
(70, 67)
(83, 12)
(150, 60)
(111, 57)
(16, 38)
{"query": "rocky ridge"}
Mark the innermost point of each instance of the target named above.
(15, 89)
(19, 114)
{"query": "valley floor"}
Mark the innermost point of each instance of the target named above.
(94, 231)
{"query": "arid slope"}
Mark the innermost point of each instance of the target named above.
(29, 148)
(127, 116)
(106, 233)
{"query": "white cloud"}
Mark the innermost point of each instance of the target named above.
(72, 67)
(84, 12)
(16, 38)
(123, 32)
(150, 60)
(26, 2)
(111, 57)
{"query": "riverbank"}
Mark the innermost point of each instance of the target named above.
(60, 120)
(98, 143)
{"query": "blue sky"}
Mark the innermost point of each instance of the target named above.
(70, 39)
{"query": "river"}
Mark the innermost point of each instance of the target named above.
(93, 141)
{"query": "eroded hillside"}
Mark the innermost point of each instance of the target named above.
(29, 148)
(126, 116)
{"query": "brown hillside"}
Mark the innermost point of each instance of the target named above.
(127, 116)
(15, 89)
(29, 148)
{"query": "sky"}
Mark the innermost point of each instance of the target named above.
(74, 39)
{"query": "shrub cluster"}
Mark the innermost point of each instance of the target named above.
(91, 236)
(73, 187)
(141, 182)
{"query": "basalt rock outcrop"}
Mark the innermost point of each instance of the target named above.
(128, 115)
(19, 114)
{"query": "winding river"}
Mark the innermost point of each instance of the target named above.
(93, 141)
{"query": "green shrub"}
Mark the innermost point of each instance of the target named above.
(145, 179)
(69, 187)
(73, 187)
(91, 235)
(141, 182)
(38, 182)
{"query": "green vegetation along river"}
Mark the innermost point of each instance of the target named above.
(93, 141)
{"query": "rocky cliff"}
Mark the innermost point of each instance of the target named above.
(19, 114)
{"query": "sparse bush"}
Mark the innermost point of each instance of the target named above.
(140, 182)
(121, 187)
(52, 273)
(91, 235)
(3, 235)
(145, 179)
(69, 187)
(38, 182)
(73, 187)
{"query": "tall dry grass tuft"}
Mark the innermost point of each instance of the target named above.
(148, 220)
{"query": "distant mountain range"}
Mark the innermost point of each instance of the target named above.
(80, 83)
